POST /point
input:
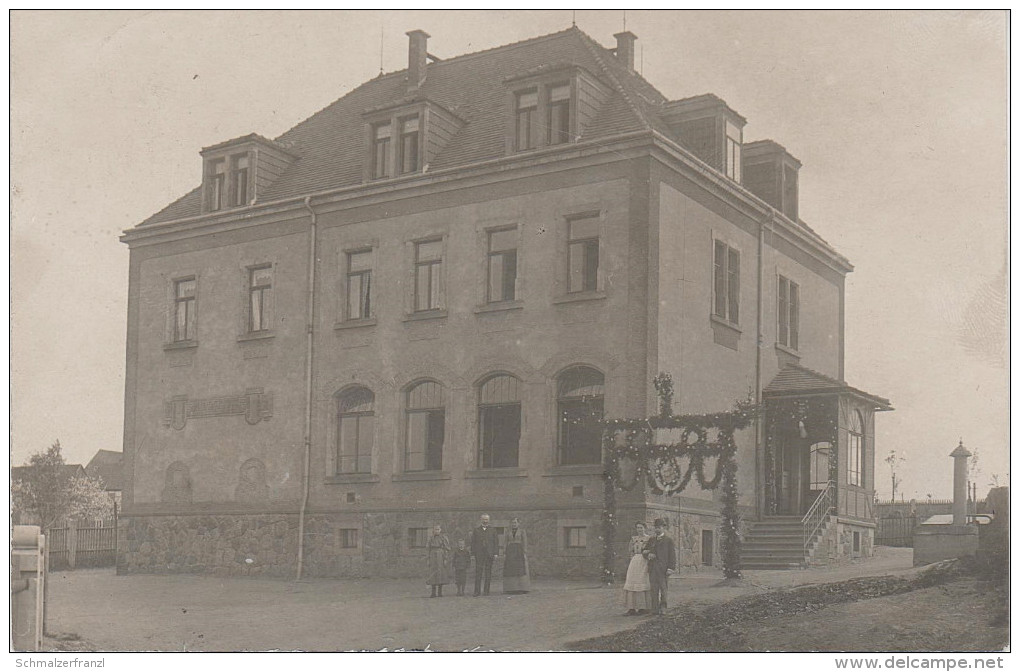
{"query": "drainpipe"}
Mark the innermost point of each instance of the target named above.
(759, 439)
(308, 389)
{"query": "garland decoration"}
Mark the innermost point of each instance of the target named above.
(668, 451)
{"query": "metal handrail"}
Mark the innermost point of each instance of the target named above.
(816, 515)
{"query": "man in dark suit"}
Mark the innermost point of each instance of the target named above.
(485, 548)
(661, 554)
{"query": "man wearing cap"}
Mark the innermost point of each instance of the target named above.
(661, 554)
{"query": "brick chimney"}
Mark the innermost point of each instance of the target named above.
(416, 58)
(625, 48)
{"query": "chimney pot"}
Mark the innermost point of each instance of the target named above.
(417, 53)
(625, 47)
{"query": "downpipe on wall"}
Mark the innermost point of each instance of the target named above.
(759, 342)
(309, 329)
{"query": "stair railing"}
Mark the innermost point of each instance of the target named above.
(816, 515)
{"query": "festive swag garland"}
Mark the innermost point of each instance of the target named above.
(662, 465)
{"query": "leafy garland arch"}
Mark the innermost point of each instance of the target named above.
(668, 450)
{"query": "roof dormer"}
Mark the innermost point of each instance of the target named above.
(710, 129)
(405, 137)
(771, 173)
(236, 172)
(551, 105)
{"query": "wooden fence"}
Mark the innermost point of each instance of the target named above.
(896, 531)
(83, 545)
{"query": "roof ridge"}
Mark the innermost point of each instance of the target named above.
(590, 44)
(511, 45)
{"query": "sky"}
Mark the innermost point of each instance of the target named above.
(899, 119)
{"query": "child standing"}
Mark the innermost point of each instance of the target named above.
(461, 562)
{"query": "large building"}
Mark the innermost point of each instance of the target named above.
(413, 307)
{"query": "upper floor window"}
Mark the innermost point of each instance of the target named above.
(726, 283)
(499, 422)
(408, 161)
(184, 310)
(855, 450)
(355, 431)
(558, 117)
(359, 284)
(733, 145)
(216, 184)
(583, 254)
(426, 427)
(380, 150)
(428, 275)
(526, 116)
(239, 179)
(789, 313)
(502, 264)
(260, 299)
(580, 392)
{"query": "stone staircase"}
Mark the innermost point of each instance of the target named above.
(777, 542)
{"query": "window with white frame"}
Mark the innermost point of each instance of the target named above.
(526, 119)
(355, 431)
(216, 184)
(726, 283)
(408, 159)
(733, 145)
(428, 275)
(359, 284)
(499, 422)
(381, 150)
(184, 310)
(502, 266)
(260, 299)
(425, 411)
(582, 254)
(789, 313)
(239, 179)
(855, 449)
(558, 114)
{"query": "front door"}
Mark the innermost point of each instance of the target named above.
(790, 470)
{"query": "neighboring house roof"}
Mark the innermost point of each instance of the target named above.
(67, 472)
(794, 380)
(107, 465)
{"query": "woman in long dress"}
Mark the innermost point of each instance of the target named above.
(515, 559)
(438, 550)
(637, 587)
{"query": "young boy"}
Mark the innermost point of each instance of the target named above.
(461, 562)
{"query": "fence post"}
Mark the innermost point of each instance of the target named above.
(72, 541)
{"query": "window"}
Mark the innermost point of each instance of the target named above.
(359, 285)
(428, 275)
(499, 422)
(726, 284)
(417, 537)
(579, 402)
(355, 431)
(426, 419)
(184, 310)
(239, 179)
(380, 150)
(819, 465)
(583, 254)
(260, 299)
(216, 185)
(575, 537)
(707, 547)
(502, 266)
(789, 313)
(407, 162)
(526, 116)
(558, 118)
(733, 146)
(855, 459)
(349, 538)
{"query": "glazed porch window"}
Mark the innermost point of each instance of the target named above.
(502, 266)
(425, 426)
(855, 456)
(499, 422)
(579, 400)
(355, 431)
(184, 310)
(359, 285)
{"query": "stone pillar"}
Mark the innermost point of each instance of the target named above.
(960, 456)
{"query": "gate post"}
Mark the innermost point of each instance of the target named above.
(72, 541)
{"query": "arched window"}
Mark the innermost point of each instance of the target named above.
(426, 419)
(579, 406)
(499, 422)
(855, 457)
(355, 431)
(820, 465)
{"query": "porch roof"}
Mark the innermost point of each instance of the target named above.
(795, 380)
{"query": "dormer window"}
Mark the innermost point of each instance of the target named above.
(733, 144)
(216, 188)
(408, 161)
(380, 150)
(526, 113)
(559, 114)
(239, 179)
